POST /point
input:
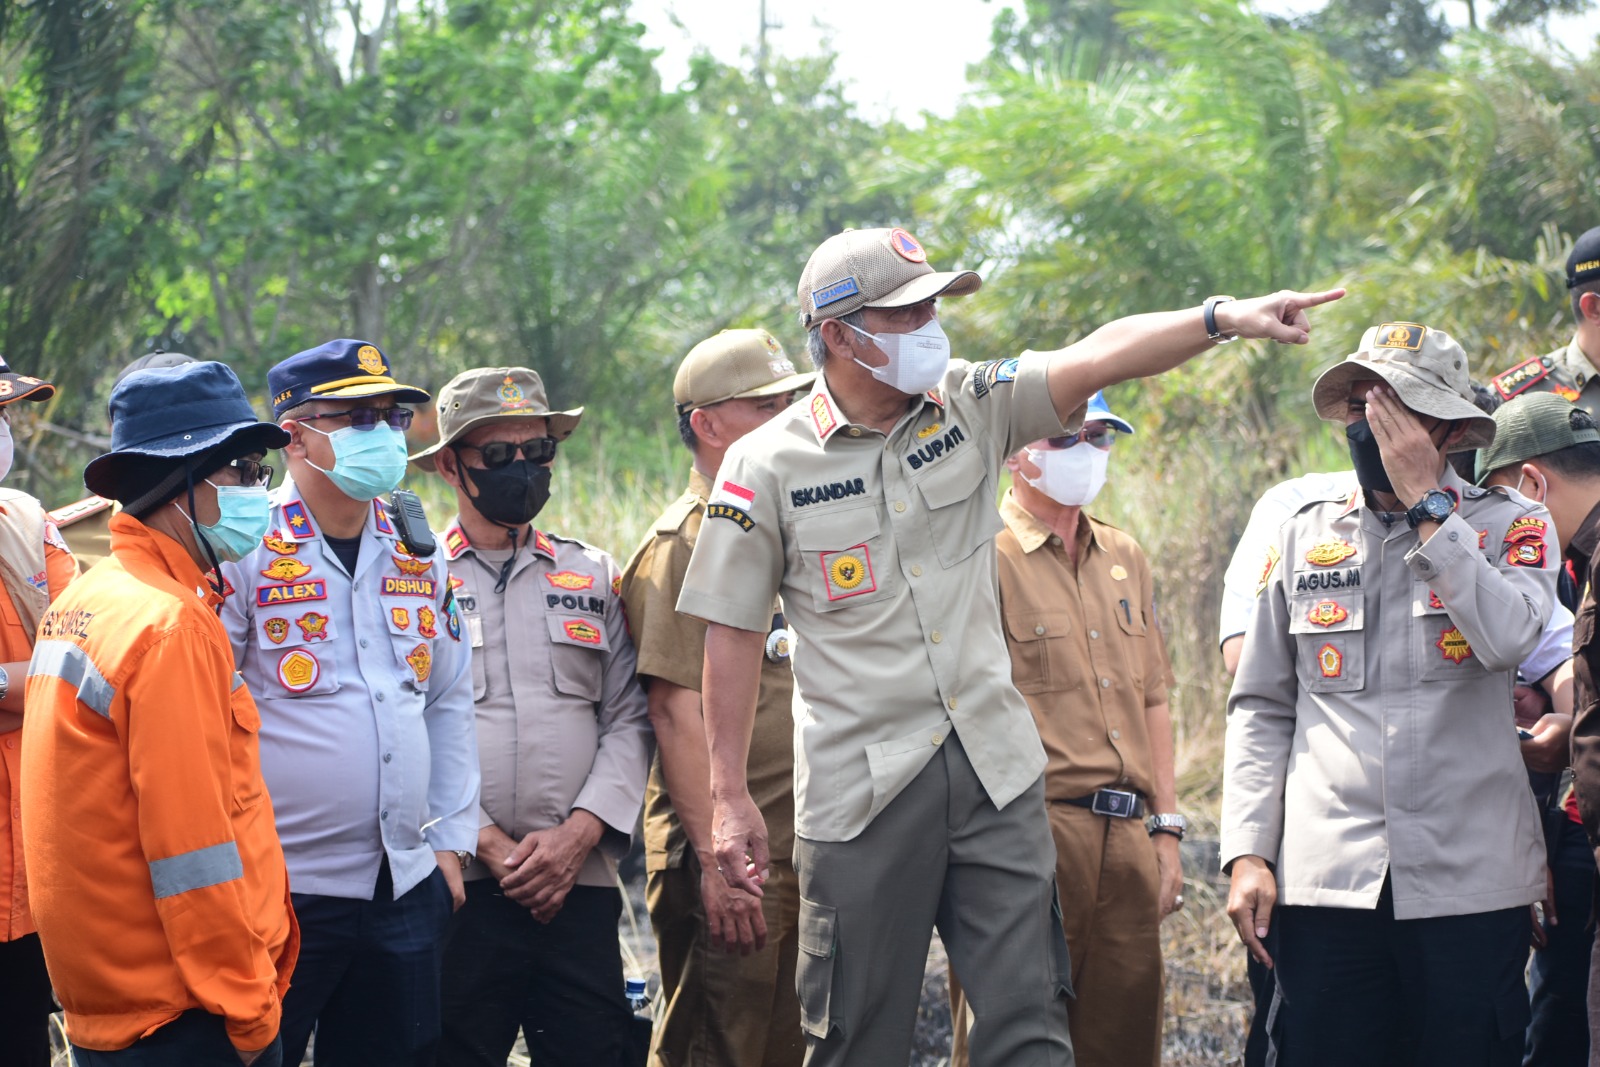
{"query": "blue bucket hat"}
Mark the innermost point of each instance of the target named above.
(171, 413)
(1098, 412)
(335, 370)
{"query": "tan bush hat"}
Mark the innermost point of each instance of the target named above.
(489, 394)
(735, 363)
(884, 268)
(1427, 369)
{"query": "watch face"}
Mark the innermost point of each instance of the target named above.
(1438, 505)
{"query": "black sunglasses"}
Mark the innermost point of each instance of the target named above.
(497, 454)
(252, 472)
(367, 418)
(1099, 438)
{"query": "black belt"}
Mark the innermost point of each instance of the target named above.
(1117, 803)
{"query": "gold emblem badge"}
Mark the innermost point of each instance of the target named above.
(280, 546)
(511, 395)
(421, 660)
(313, 625)
(277, 630)
(1118, 572)
(285, 569)
(370, 360)
(582, 631)
(1268, 565)
(1330, 553)
(616, 586)
(928, 431)
(1327, 613)
(1331, 661)
(1406, 335)
(425, 621)
(401, 617)
(413, 567)
(847, 572)
(298, 670)
(570, 580)
(1453, 645)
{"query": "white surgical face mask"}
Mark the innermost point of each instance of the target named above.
(1072, 476)
(917, 360)
(7, 448)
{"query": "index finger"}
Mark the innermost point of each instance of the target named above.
(1311, 300)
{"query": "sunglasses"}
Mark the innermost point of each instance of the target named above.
(497, 454)
(1098, 438)
(252, 472)
(367, 418)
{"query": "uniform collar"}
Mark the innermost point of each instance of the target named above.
(825, 418)
(132, 540)
(300, 525)
(456, 543)
(1577, 365)
(699, 485)
(1031, 533)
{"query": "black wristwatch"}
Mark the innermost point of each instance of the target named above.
(1435, 506)
(1210, 314)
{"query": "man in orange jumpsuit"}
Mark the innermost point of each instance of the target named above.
(157, 879)
(35, 567)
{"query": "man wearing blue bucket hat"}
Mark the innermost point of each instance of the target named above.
(158, 884)
(349, 637)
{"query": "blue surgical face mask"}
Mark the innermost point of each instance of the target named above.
(366, 463)
(244, 517)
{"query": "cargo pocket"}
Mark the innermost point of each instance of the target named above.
(577, 644)
(1041, 661)
(960, 528)
(816, 970)
(1060, 954)
(845, 561)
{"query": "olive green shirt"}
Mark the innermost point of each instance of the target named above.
(882, 546)
(672, 647)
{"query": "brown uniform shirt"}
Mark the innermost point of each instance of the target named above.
(86, 525)
(1085, 651)
(672, 647)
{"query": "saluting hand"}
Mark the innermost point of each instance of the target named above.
(1280, 316)
(739, 836)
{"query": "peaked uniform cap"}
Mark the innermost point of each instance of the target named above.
(735, 363)
(1529, 426)
(493, 394)
(337, 370)
(1426, 367)
(883, 268)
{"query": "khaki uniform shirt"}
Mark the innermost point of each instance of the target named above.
(1369, 727)
(883, 548)
(562, 723)
(86, 525)
(672, 647)
(1566, 372)
(1085, 650)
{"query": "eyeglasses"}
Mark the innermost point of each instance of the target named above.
(497, 454)
(1098, 438)
(252, 472)
(367, 418)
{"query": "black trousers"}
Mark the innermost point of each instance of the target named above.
(193, 1039)
(25, 1003)
(1559, 976)
(559, 982)
(1362, 987)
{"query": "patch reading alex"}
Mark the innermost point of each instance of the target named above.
(421, 660)
(286, 569)
(1330, 553)
(277, 629)
(413, 567)
(1406, 335)
(936, 448)
(425, 622)
(1330, 661)
(393, 586)
(848, 573)
(313, 625)
(1268, 565)
(1311, 581)
(1452, 645)
(279, 546)
(370, 360)
(1527, 554)
(1327, 613)
(298, 670)
(400, 617)
(579, 630)
(817, 494)
(1521, 378)
(270, 595)
(570, 580)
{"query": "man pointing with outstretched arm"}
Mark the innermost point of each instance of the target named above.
(918, 771)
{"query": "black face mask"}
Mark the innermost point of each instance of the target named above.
(511, 495)
(1367, 458)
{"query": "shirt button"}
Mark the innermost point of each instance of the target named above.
(387, 756)
(1116, 735)
(1054, 540)
(1454, 536)
(916, 570)
(899, 505)
(1094, 635)
(937, 636)
(363, 642)
(854, 431)
(380, 698)
(937, 738)
(1038, 629)
(1105, 683)
(356, 588)
(952, 703)
(384, 814)
(11, 742)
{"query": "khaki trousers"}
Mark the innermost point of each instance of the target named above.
(723, 1009)
(1107, 875)
(940, 854)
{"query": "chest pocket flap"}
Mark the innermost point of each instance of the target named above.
(960, 523)
(1041, 661)
(846, 557)
(575, 644)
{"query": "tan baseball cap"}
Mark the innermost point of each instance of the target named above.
(1426, 367)
(735, 363)
(883, 268)
(489, 394)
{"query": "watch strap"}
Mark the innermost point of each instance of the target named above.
(1209, 312)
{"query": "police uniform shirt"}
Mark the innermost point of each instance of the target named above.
(1567, 372)
(672, 647)
(1369, 728)
(882, 546)
(364, 687)
(562, 723)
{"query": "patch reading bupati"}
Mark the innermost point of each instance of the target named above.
(1453, 645)
(1327, 613)
(1521, 378)
(421, 660)
(1526, 554)
(393, 586)
(298, 670)
(1406, 335)
(314, 625)
(1311, 581)
(1330, 661)
(936, 449)
(848, 573)
(286, 569)
(276, 629)
(400, 617)
(271, 595)
(579, 630)
(1330, 553)
(570, 580)
(1268, 565)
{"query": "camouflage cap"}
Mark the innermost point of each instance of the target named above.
(735, 363)
(1427, 369)
(1529, 426)
(490, 394)
(884, 268)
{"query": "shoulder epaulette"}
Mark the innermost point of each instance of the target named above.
(1521, 378)
(83, 509)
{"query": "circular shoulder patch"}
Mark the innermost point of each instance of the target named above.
(905, 244)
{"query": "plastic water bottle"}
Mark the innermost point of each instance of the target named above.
(638, 999)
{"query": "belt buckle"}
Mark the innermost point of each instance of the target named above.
(1117, 803)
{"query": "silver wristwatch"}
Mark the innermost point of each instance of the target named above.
(1169, 823)
(5, 683)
